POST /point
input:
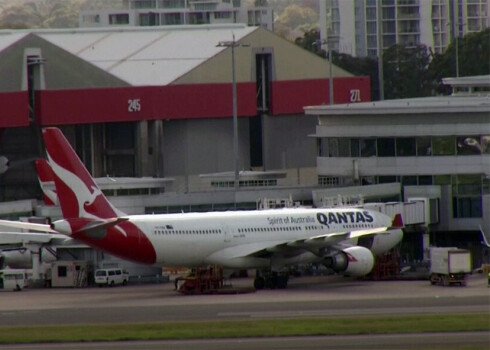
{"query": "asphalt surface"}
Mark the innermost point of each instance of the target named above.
(433, 341)
(305, 297)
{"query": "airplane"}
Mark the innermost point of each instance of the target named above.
(46, 181)
(267, 239)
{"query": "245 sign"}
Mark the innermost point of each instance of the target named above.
(355, 95)
(134, 105)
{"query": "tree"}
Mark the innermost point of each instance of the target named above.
(413, 72)
(48, 13)
(41, 14)
(311, 42)
(359, 66)
(405, 72)
(473, 58)
(297, 19)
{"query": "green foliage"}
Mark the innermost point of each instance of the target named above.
(256, 328)
(404, 71)
(413, 72)
(360, 66)
(473, 58)
(25, 14)
(311, 42)
(40, 14)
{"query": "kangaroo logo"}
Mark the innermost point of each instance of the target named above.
(89, 198)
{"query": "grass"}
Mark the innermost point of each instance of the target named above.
(249, 328)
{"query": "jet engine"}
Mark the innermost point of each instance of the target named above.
(352, 261)
(21, 259)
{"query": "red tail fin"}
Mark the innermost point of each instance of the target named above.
(78, 194)
(397, 221)
(46, 181)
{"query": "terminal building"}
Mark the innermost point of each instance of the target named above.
(436, 148)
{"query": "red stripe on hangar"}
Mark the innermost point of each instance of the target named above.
(15, 109)
(143, 103)
(290, 96)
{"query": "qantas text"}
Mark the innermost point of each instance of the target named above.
(345, 217)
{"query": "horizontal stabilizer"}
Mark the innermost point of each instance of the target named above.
(90, 227)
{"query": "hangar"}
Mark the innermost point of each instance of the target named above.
(158, 102)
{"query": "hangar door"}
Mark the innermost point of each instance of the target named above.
(262, 77)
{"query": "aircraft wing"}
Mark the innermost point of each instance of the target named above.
(28, 226)
(9, 238)
(318, 245)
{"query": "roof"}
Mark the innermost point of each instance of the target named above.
(445, 104)
(245, 175)
(473, 81)
(140, 55)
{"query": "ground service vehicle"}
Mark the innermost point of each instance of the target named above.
(14, 279)
(449, 265)
(111, 277)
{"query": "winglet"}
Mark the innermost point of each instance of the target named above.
(484, 238)
(397, 222)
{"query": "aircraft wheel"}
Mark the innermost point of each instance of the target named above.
(282, 281)
(259, 283)
(272, 281)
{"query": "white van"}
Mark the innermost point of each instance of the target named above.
(111, 277)
(14, 279)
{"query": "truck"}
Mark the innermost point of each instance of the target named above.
(449, 265)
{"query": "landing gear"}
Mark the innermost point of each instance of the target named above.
(271, 280)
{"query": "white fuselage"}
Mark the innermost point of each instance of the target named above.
(228, 238)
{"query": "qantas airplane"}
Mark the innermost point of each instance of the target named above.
(46, 181)
(268, 239)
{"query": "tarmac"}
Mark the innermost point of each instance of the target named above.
(317, 296)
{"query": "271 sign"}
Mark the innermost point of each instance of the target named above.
(355, 95)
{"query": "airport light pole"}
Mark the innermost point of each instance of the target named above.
(328, 46)
(232, 44)
(330, 77)
(379, 43)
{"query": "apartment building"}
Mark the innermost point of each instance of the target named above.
(178, 12)
(352, 26)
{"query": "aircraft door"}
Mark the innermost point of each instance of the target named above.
(227, 234)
